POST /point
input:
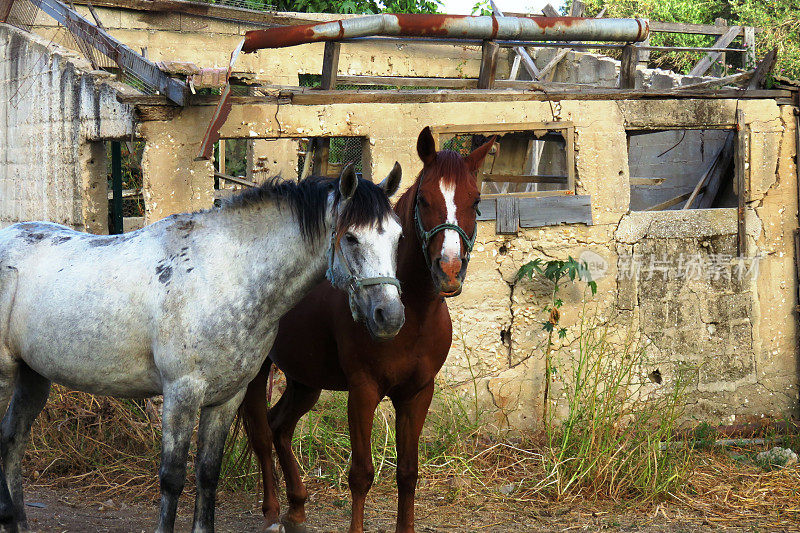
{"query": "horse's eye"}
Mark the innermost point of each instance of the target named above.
(351, 239)
(422, 201)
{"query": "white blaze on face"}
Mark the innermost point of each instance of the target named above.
(378, 248)
(451, 246)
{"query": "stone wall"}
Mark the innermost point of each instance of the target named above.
(731, 340)
(53, 113)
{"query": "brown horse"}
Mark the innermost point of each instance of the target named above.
(319, 346)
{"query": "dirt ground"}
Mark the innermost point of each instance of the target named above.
(71, 510)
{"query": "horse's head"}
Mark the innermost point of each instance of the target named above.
(362, 258)
(445, 210)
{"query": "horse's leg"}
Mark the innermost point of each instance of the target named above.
(215, 423)
(254, 415)
(30, 395)
(361, 404)
(182, 399)
(410, 417)
(297, 400)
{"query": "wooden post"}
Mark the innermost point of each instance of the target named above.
(627, 73)
(749, 42)
(644, 55)
(718, 67)
(705, 63)
(330, 66)
(116, 186)
(330, 71)
(491, 51)
(742, 183)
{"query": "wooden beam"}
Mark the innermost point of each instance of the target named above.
(718, 67)
(306, 96)
(733, 79)
(669, 203)
(530, 194)
(627, 71)
(330, 65)
(711, 179)
(499, 127)
(742, 188)
(722, 43)
(763, 69)
(555, 210)
(490, 53)
(234, 179)
(510, 178)
(678, 27)
(749, 44)
(406, 81)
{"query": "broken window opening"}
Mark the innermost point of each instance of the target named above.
(528, 178)
(681, 169)
(127, 215)
(327, 156)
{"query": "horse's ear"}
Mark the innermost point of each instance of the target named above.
(391, 183)
(348, 181)
(475, 159)
(426, 146)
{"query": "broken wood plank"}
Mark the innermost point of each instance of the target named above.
(234, 179)
(508, 178)
(507, 222)
(763, 69)
(527, 194)
(550, 11)
(522, 54)
(733, 79)
(717, 67)
(669, 203)
(555, 210)
(490, 52)
(406, 81)
(711, 179)
(722, 43)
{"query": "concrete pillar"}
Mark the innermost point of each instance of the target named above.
(94, 183)
(173, 182)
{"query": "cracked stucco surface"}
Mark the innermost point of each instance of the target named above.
(735, 343)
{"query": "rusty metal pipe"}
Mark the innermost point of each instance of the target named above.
(453, 26)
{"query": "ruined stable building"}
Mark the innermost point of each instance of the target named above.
(681, 191)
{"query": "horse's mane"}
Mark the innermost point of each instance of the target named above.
(308, 198)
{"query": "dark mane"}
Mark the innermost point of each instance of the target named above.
(308, 199)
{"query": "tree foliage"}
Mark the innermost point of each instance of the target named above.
(358, 6)
(779, 20)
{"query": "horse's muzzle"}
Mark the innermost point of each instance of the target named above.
(386, 318)
(448, 275)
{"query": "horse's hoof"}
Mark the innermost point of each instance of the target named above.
(293, 527)
(277, 527)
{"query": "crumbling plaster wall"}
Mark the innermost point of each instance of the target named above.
(53, 110)
(209, 43)
(736, 339)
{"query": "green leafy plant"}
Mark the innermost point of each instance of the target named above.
(558, 273)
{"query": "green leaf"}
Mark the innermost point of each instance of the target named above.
(562, 333)
(593, 286)
(547, 326)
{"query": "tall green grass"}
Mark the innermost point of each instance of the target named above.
(615, 433)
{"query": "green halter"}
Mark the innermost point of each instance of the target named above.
(426, 236)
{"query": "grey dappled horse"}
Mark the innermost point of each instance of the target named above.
(187, 307)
